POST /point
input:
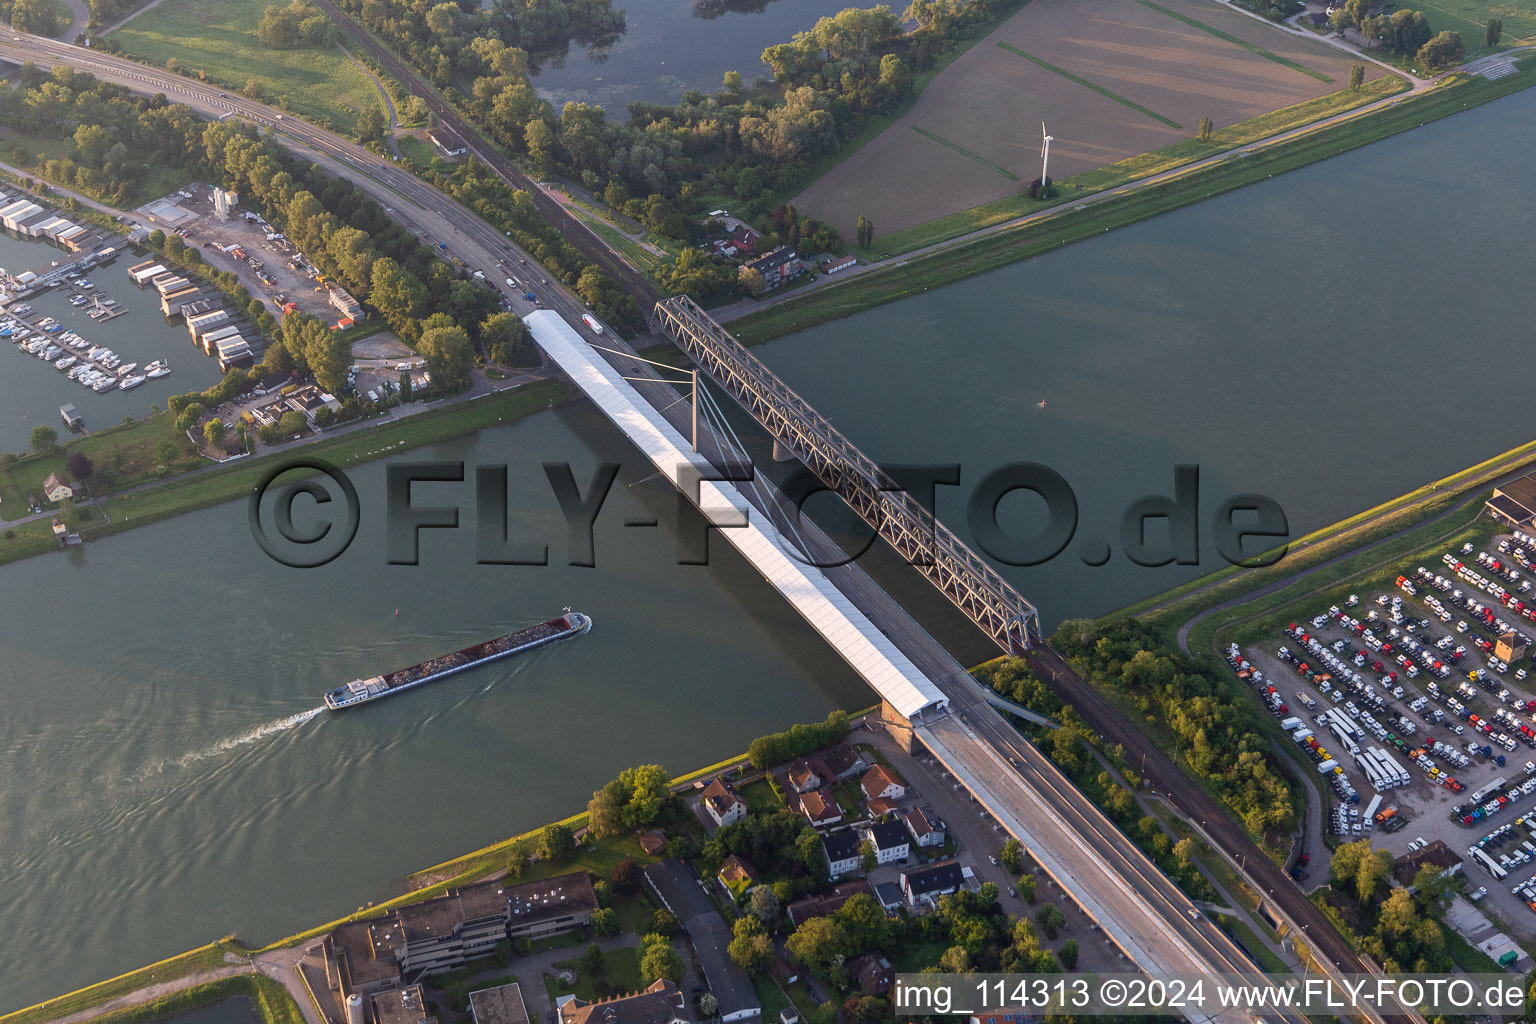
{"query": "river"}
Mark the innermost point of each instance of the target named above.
(1331, 339)
(31, 390)
(672, 46)
(169, 779)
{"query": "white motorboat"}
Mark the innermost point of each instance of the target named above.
(158, 368)
(131, 382)
(65, 363)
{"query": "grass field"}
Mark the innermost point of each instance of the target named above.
(1110, 79)
(200, 959)
(892, 282)
(217, 38)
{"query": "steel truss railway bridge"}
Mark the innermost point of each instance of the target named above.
(959, 573)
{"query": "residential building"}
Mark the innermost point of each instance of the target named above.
(1437, 855)
(653, 842)
(778, 265)
(801, 911)
(879, 807)
(891, 840)
(844, 762)
(679, 890)
(447, 143)
(722, 804)
(925, 827)
(56, 489)
(879, 782)
(736, 877)
(819, 808)
(835, 264)
(662, 1003)
(890, 895)
(925, 885)
(845, 852)
(873, 972)
(806, 775)
(1004, 1017)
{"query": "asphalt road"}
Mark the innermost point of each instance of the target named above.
(574, 230)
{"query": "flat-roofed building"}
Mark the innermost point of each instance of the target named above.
(401, 1006)
(500, 1005)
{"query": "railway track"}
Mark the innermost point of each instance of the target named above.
(572, 228)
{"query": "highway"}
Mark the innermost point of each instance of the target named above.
(436, 217)
(575, 232)
(979, 733)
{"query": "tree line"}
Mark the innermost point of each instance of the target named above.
(1221, 737)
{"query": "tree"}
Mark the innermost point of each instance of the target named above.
(395, 291)
(592, 961)
(751, 947)
(605, 921)
(1051, 920)
(1443, 50)
(1184, 849)
(664, 923)
(605, 814)
(869, 856)
(507, 341)
(40, 17)
(1010, 855)
(818, 943)
(1068, 954)
(649, 787)
(44, 439)
(659, 960)
(517, 862)
(1206, 127)
(864, 923)
(1356, 77)
(764, 905)
(732, 82)
(625, 876)
(1026, 888)
(292, 422)
(1408, 30)
(450, 356)
(213, 432)
(1494, 33)
(8, 462)
(751, 281)
(557, 843)
(955, 960)
(166, 452)
(78, 466)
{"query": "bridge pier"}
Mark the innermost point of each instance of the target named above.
(781, 453)
(898, 725)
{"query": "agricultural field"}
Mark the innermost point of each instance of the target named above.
(218, 39)
(1111, 79)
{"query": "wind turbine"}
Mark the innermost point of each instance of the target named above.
(1045, 154)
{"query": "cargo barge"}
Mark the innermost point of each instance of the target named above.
(361, 691)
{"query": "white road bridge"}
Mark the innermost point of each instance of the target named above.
(1137, 906)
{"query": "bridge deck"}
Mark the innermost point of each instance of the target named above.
(824, 606)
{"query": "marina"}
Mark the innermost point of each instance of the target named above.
(93, 366)
(361, 691)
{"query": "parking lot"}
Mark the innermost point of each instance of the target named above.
(1415, 703)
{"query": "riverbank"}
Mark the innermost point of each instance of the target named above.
(1125, 205)
(229, 950)
(214, 485)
